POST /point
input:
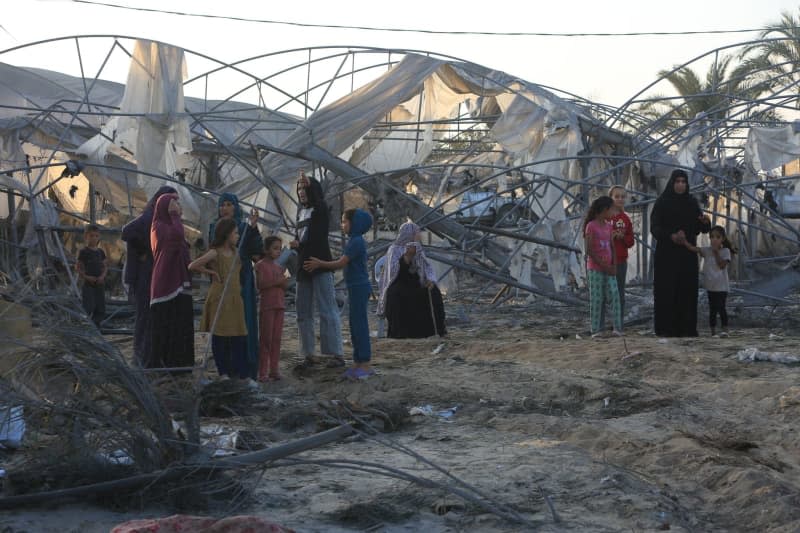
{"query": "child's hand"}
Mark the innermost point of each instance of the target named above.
(311, 265)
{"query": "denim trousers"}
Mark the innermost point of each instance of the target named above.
(320, 290)
(358, 299)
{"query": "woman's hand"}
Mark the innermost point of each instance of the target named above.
(312, 264)
(679, 238)
(253, 219)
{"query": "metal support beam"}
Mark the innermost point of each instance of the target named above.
(446, 227)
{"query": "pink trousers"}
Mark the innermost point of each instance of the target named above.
(270, 329)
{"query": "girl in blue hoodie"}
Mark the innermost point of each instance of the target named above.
(355, 223)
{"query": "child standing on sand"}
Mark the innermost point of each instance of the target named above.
(92, 270)
(271, 284)
(355, 223)
(716, 259)
(223, 312)
(601, 269)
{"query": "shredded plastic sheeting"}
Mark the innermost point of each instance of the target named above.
(754, 354)
(769, 148)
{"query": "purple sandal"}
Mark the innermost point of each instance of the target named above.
(360, 373)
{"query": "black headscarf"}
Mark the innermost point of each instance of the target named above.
(315, 197)
(317, 226)
(673, 212)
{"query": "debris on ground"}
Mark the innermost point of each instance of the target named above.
(752, 354)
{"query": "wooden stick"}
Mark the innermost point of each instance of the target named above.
(501, 292)
(433, 312)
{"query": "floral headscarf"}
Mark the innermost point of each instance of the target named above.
(406, 235)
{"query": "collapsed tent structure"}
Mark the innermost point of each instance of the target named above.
(499, 170)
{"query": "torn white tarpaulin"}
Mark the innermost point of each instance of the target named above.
(46, 215)
(405, 145)
(11, 154)
(769, 148)
(28, 92)
(337, 126)
(158, 140)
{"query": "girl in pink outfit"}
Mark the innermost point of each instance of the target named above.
(271, 285)
(601, 268)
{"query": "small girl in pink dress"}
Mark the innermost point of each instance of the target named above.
(601, 269)
(271, 284)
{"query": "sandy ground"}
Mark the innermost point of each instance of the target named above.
(639, 434)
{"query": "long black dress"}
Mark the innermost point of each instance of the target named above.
(408, 307)
(676, 269)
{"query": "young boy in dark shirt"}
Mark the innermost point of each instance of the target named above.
(355, 223)
(92, 270)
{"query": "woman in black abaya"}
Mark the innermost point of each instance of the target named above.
(675, 221)
(407, 293)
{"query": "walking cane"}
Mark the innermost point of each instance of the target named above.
(433, 313)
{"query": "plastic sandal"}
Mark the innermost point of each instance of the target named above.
(360, 373)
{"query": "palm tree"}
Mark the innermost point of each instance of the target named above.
(776, 60)
(725, 92)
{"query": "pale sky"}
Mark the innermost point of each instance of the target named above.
(605, 69)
